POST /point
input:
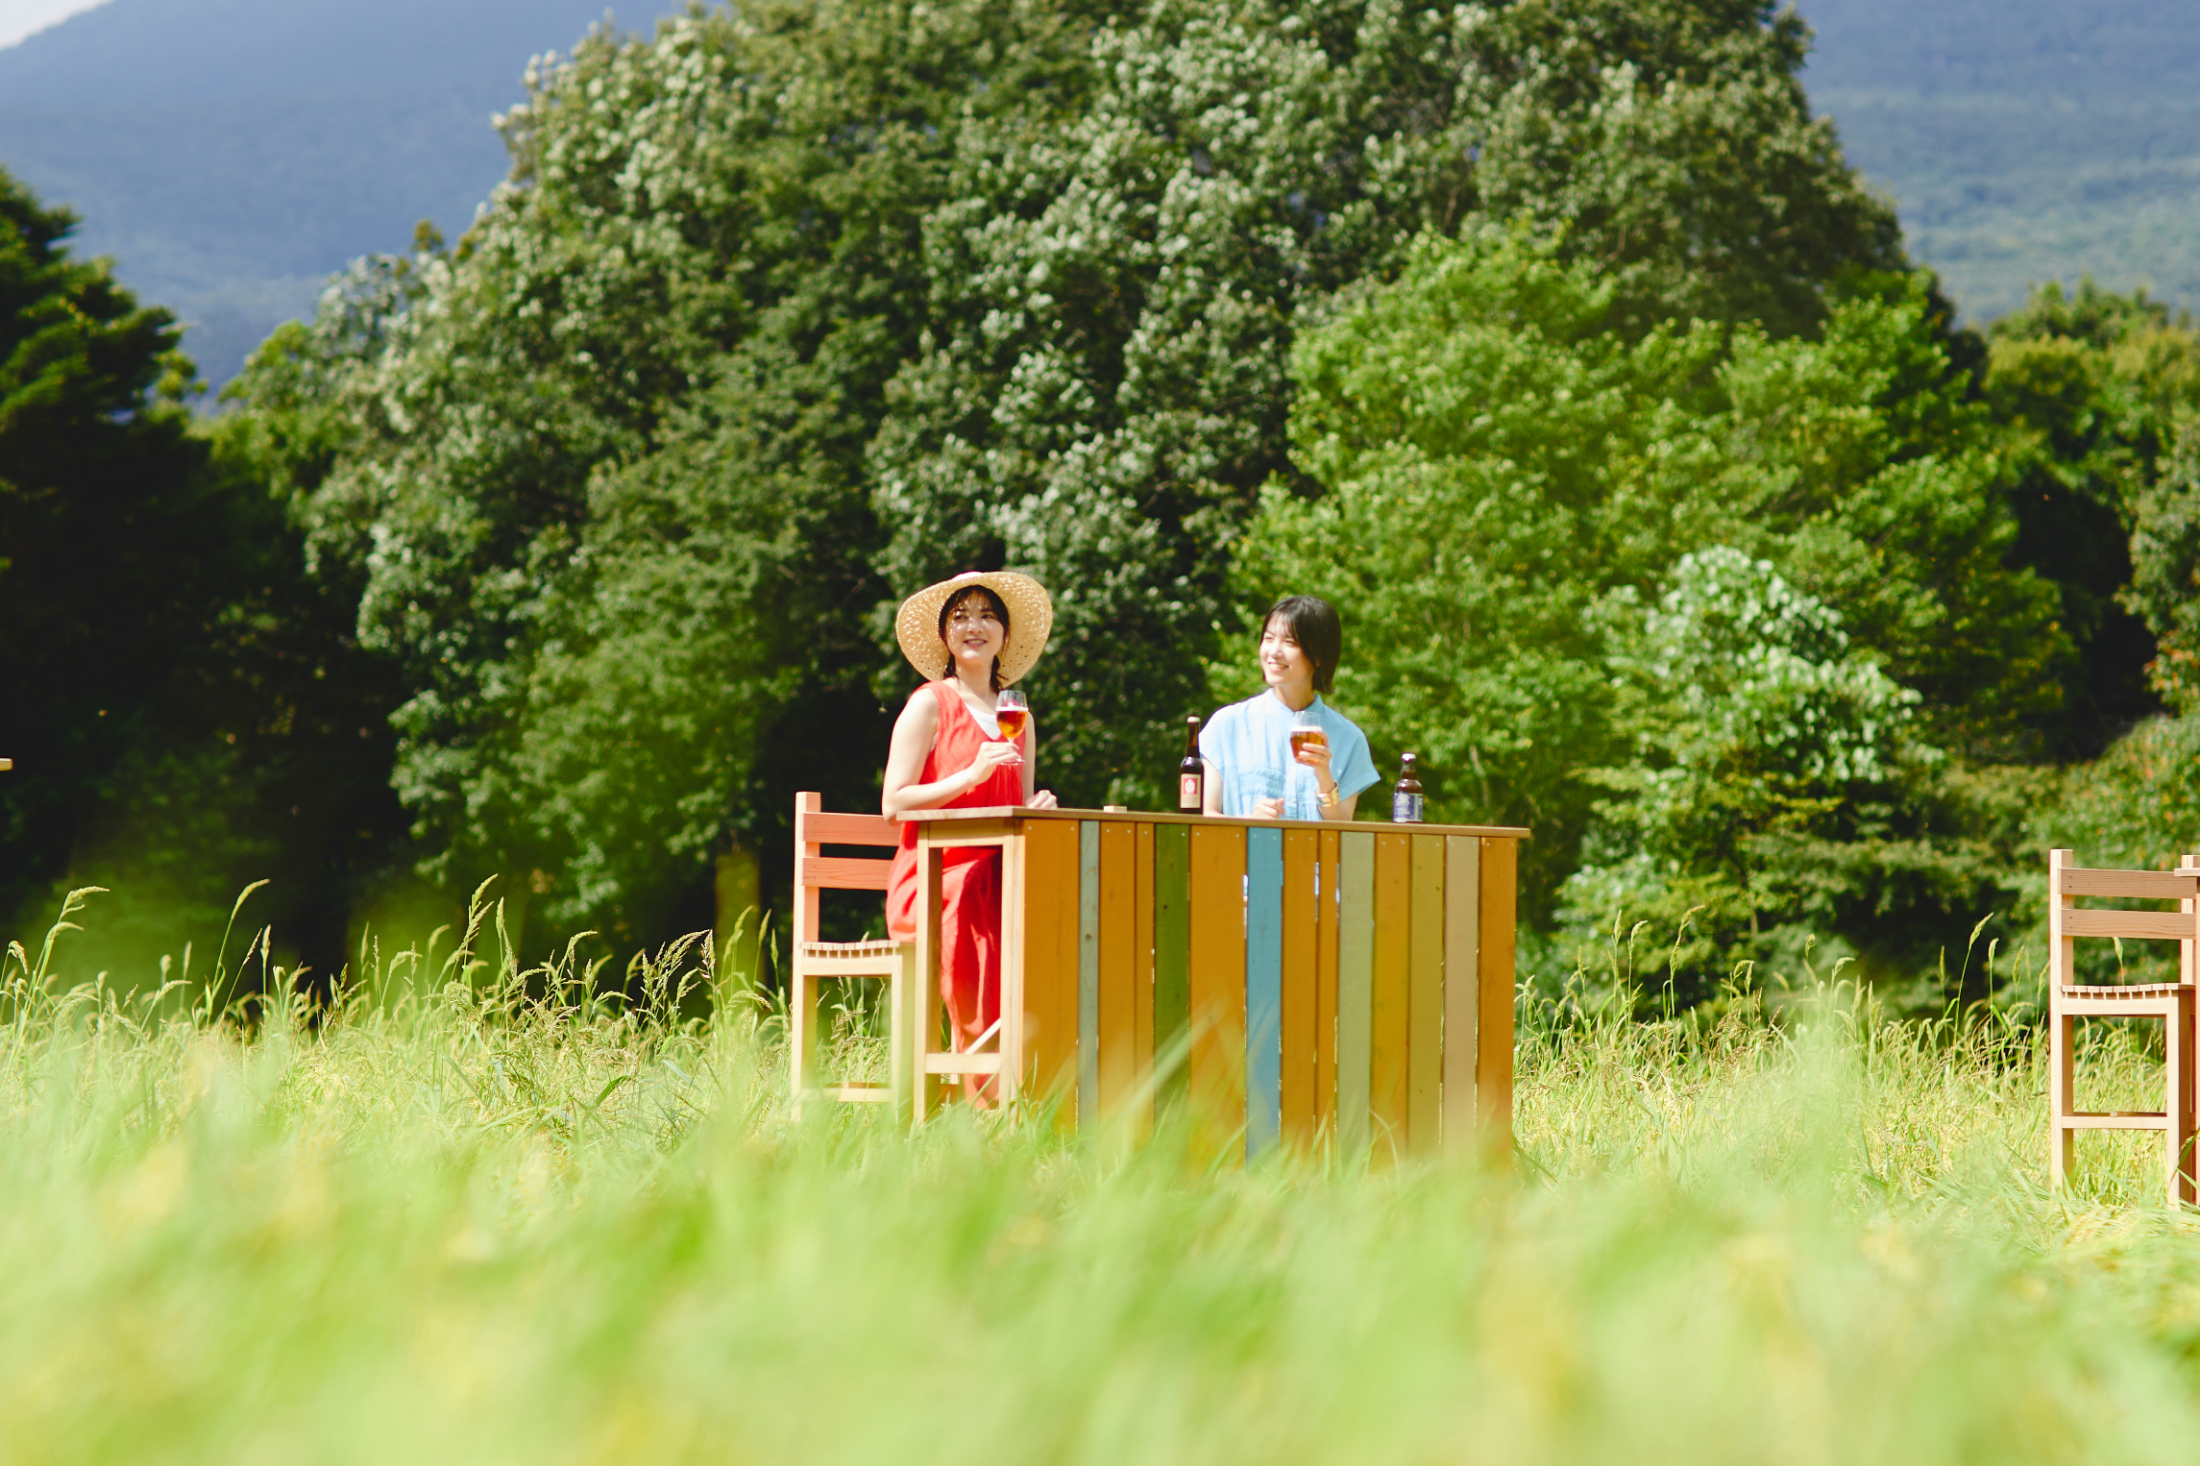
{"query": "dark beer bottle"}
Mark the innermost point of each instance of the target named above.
(1405, 800)
(1191, 774)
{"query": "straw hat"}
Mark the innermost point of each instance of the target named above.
(1030, 620)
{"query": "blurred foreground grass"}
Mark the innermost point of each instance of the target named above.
(452, 1225)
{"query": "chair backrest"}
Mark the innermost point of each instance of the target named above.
(2066, 920)
(815, 871)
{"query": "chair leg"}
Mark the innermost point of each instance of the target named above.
(2061, 1140)
(897, 1038)
(2179, 1106)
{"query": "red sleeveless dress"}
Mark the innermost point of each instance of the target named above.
(970, 923)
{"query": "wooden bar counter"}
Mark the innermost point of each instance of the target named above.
(1310, 981)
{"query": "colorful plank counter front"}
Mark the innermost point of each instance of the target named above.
(1351, 980)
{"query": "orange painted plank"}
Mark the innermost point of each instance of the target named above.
(1425, 995)
(1389, 993)
(1462, 985)
(1050, 960)
(1217, 911)
(1118, 940)
(1494, 1062)
(1142, 940)
(1325, 982)
(1300, 939)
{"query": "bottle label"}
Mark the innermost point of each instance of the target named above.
(1187, 791)
(1405, 809)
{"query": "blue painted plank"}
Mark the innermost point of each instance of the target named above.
(1088, 974)
(1263, 988)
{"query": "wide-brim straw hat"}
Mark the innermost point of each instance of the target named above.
(1030, 622)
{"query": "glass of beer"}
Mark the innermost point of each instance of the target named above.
(1012, 713)
(1306, 731)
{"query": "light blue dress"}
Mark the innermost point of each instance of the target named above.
(1249, 745)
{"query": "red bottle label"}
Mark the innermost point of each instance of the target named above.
(1187, 791)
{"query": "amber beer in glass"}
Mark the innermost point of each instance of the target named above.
(1012, 713)
(1306, 731)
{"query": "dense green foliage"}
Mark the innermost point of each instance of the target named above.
(1670, 513)
(172, 686)
(784, 315)
(452, 1226)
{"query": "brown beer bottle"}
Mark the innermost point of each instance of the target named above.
(1405, 800)
(1191, 774)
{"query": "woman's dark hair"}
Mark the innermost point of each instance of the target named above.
(1000, 613)
(1313, 624)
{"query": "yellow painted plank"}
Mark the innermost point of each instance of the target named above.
(1425, 995)
(1142, 966)
(1118, 940)
(1494, 1066)
(1389, 994)
(1355, 975)
(1050, 961)
(1462, 985)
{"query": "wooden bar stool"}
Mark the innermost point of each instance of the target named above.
(2068, 1001)
(890, 962)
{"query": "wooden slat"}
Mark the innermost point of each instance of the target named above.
(1118, 936)
(1388, 1015)
(1425, 995)
(1263, 989)
(1050, 961)
(1172, 955)
(1088, 973)
(845, 872)
(850, 829)
(1029, 817)
(1355, 979)
(1296, 1084)
(1218, 979)
(1462, 987)
(1325, 982)
(2136, 885)
(1494, 1062)
(2132, 926)
(1142, 967)
(2154, 1120)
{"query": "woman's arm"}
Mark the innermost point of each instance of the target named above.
(1210, 787)
(1316, 756)
(914, 731)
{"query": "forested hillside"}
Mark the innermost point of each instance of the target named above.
(232, 153)
(1669, 509)
(2027, 140)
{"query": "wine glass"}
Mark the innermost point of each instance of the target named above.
(1012, 713)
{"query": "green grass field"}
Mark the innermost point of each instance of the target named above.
(450, 1225)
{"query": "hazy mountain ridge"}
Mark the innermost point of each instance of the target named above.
(230, 154)
(2025, 140)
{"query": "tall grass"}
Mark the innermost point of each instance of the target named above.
(482, 1215)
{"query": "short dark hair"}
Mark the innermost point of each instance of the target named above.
(1000, 613)
(1314, 626)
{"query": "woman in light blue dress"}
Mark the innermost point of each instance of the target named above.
(1250, 766)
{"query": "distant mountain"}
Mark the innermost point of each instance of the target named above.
(2025, 140)
(230, 154)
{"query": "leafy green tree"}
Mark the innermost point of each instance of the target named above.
(2093, 389)
(1513, 484)
(172, 682)
(784, 313)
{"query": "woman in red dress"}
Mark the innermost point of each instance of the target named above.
(973, 635)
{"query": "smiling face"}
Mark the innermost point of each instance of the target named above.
(974, 629)
(1283, 662)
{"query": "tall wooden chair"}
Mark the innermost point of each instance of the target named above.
(890, 962)
(2172, 1002)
